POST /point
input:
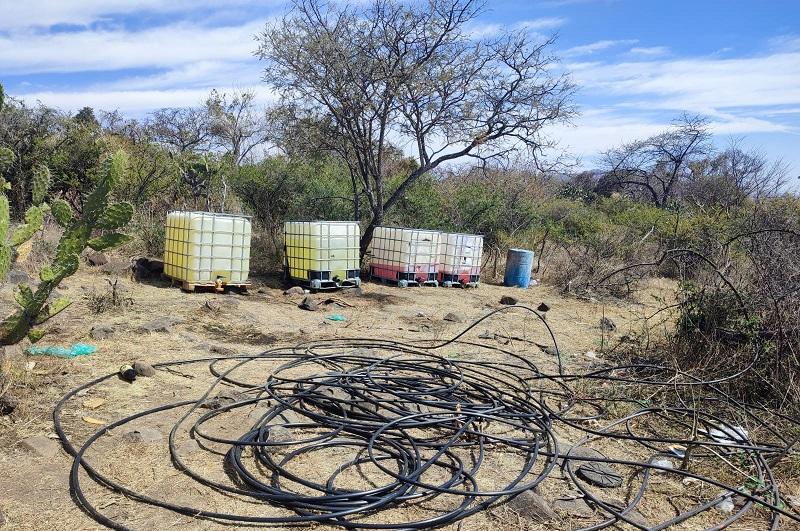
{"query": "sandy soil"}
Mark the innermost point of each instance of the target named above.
(34, 491)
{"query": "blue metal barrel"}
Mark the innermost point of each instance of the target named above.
(519, 263)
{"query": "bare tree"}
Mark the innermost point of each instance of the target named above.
(386, 73)
(656, 167)
(728, 178)
(181, 129)
(236, 123)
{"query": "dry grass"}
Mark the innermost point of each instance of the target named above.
(252, 325)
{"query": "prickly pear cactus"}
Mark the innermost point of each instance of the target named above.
(36, 307)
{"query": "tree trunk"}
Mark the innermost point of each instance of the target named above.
(366, 237)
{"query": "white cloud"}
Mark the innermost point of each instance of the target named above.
(492, 29)
(540, 24)
(652, 51)
(705, 85)
(159, 47)
(44, 13)
(593, 47)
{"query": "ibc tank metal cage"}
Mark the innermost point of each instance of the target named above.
(322, 254)
(408, 257)
(460, 259)
(207, 249)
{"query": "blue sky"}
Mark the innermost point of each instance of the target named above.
(639, 63)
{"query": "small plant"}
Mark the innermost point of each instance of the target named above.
(109, 299)
(98, 214)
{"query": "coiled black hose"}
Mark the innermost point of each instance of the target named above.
(424, 425)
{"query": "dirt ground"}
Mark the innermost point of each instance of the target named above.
(34, 491)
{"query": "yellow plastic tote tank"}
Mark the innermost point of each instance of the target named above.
(204, 248)
(322, 254)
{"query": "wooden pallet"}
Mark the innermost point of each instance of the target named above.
(218, 287)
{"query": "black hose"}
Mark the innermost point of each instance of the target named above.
(426, 425)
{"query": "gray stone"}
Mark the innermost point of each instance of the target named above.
(8, 404)
(607, 324)
(162, 324)
(17, 276)
(188, 447)
(116, 267)
(508, 300)
(454, 317)
(544, 308)
(40, 445)
(279, 434)
(223, 351)
(634, 515)
(575, 507)
(224, 398)
(102, 332)
(600, 474)
(96, 258)
(143, 369)
(295, 290)
(532, 506)
(11, 352)
(663, 463)
(142, 435)
(3, 519)
(549, 349)
(309, 304)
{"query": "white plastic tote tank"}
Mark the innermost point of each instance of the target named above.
(207, 248)
(322, 254)
(405, 256)
(460, 259)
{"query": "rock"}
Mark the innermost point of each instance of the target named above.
(3, 519)
(549, 349)
(633, 515)
(508, 300)
(279, 434)
(454, 317)
(11, 352)
(116, 267)
(96, 258)
(532, 506)
(295, 290)
(143, 369)
(188, 447)
(40, 445)
(102, 332)
(223, 351)
(486, 334)
(663, 463)
(600, 474)
(607, 324)
(309, 304)
(575, 507)
(355, 292)
(145, 268)
(8, 404)
(421, 314)
(17, 276)
(543, 308)
(142, 435)
(162, 324)
(224, 398)
(726, 506)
